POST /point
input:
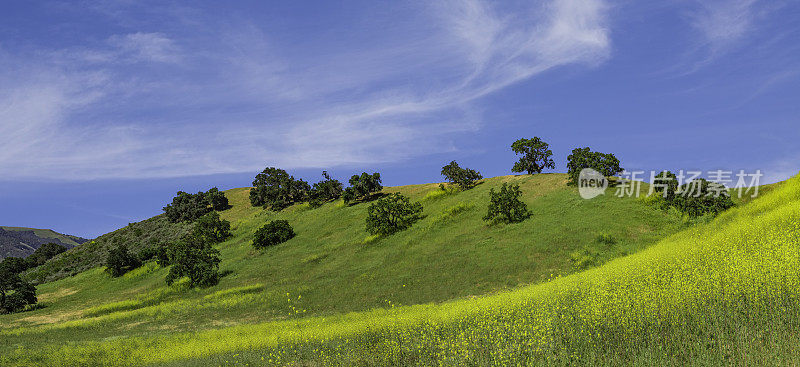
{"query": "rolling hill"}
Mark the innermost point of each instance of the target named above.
(451, 288)
(21, 241)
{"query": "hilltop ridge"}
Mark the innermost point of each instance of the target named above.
(22, 241)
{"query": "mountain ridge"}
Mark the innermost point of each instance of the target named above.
(23, 241)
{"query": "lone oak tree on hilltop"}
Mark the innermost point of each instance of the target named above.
(465, 178)
(361, 187)
(276, 189)
(605, 163)
(325, 190)
(536, 156)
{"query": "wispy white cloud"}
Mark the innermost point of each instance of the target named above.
(253, 103)
(506, 49)
(717, 28)
(148, 47)
(724, 23)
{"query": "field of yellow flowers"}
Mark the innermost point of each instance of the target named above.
(722, 293)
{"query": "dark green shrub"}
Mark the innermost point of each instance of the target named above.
(505, 205)
(362, 187)
(275, 189)
(666, 184)
(194, 257)
(120, 261)
(212, 229)
(217, 199)
(163, 254)
(136, 230)
(325, 191)
(536, 155)
(695, 198)
(23, 296)
(391, 214)
(20, 299)
(15, 293)
(585, 258)
(605, 163)
(701, 197)
(147, 254)
(15, 265)
(44, 253)
(465, 178)
(187, 207)
(606, 239)
(273, 233)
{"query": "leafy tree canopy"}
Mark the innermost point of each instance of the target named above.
(217, 199)
(465, 178)
(163, 254)
(187, 207)
(212, 229)
(695, 198)
(194, 257)
(15, 293)
(605, 163)
(15, 265)
(121, 261)
(325, 191)
(363, 186)
(44, 253)
(666, 184)
(391, 214)
(505, 205)
(274, 188)
(535, 155)
(700, 197)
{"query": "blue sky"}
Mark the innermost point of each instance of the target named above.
(107, 108)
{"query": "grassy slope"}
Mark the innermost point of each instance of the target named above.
(721, 293)
(330, 268)
(93, 253)
(46, 233)
(747, 197)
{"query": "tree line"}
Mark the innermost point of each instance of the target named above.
(275, 189)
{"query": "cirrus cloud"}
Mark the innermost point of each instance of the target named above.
(158, 104)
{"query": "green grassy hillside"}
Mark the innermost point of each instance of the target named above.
(92, 254)
(721, 293)
(333, 267)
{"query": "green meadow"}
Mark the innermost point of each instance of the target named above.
(608, 281)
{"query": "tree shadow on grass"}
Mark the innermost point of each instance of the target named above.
(368, 198)
(225, 273)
